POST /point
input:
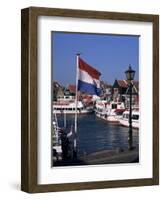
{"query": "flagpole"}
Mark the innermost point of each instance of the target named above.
(76, 97)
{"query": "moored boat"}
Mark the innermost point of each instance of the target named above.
(69, 107)
(61, 137)
(110, 111)
(124, 120)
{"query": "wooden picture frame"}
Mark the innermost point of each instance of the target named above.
(29, 135)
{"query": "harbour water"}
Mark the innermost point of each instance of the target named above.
(94, 134)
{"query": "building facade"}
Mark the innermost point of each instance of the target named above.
(120, 92)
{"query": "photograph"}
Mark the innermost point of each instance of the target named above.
(89, 99)
(95, 99)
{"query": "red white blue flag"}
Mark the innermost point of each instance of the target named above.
(88, 79)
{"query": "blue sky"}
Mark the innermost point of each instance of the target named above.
(109, 54)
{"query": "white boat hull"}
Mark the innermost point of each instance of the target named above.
(69, 107)
(110, 118)
(58, 148)
(109, 111)
(124, 122)
(72, 111)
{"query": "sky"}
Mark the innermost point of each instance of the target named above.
(109, 54)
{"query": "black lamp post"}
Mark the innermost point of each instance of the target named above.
(130, 73)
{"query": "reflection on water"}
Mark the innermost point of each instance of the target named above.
(95, 134)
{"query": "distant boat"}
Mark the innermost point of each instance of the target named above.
(135, 119)
(109, 111)
(68, 106)
(56, 140)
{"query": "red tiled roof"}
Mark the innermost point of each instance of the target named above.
(136, 83)
(87, 97)
(72, 88)
(122, 83)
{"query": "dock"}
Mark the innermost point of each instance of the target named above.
(103, 157)
(111, 157)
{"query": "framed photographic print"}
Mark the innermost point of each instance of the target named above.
(90, 100)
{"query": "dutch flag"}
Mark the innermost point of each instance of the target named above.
(88, 79)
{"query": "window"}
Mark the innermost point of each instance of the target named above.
(136, 117)
(114, 106)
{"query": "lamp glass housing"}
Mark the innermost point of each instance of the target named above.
(130, 74)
